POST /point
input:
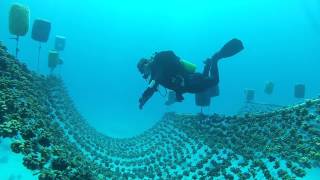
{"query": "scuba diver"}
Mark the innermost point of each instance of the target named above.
(168, 70)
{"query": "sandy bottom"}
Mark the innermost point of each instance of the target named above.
(11, 167)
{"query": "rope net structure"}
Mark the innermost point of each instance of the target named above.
(56, 142)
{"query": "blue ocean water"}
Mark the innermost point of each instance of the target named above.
(105, 40)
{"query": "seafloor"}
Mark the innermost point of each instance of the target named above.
(41, 123)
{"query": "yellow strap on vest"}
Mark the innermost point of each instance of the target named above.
(188, 66)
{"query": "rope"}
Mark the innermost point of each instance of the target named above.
(39, 50)
(17, 46)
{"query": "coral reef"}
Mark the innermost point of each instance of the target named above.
(58, 143)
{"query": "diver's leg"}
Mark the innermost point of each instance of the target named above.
(206, 68)
(213, 69)
(197, 82)
(209, 62)
(214, 73)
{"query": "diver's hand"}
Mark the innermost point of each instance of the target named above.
(140, 106)
(179, 97)
(147, 94)
(141, 103)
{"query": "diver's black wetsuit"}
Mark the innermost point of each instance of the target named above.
(166, 70)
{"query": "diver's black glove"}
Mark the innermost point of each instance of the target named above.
(142, 101)
(146, 96)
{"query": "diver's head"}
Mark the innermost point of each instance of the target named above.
(144, 67)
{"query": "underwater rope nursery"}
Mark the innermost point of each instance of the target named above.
(37, 113)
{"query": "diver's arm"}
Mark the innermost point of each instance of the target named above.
(147, 94)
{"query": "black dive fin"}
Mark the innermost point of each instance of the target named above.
(231, 48)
